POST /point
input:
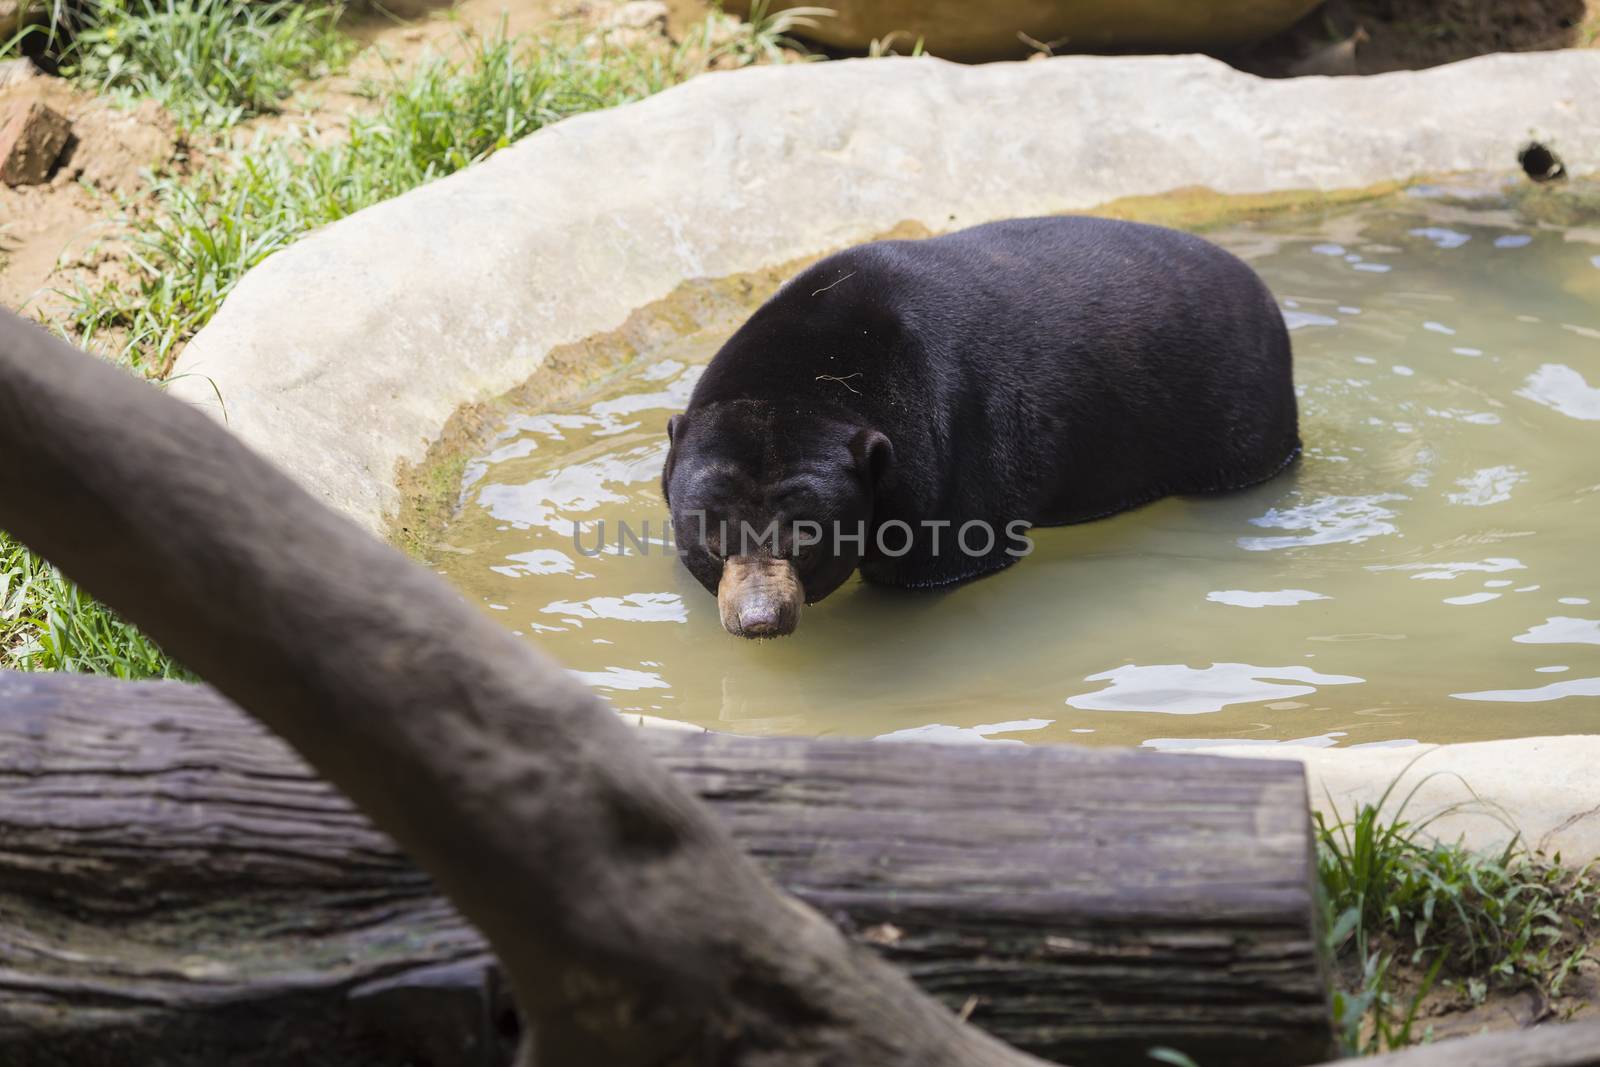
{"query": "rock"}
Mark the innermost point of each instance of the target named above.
(994, 29)
(639, 15)
(639, 24)
(15, 72)
(32, 136)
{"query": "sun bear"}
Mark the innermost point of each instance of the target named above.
(911, 407)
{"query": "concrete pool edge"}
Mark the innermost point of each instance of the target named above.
(1485, 793)
(465, 287)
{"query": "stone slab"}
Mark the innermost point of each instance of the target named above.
(1545, 789)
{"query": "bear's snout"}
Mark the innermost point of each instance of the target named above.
(759, 596)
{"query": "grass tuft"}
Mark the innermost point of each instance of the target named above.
(48, 624)
(208, 62)
(1407, 916)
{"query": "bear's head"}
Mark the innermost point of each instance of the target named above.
(770, 509)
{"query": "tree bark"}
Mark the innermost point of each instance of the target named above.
(1091, 904)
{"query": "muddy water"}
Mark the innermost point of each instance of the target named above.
(1430, 571)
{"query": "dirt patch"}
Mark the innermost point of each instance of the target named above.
(1375, 36)
(396, 36)
(72, 230)
(1459, 1005)
(51, 230)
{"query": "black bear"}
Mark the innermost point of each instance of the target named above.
(911, 407)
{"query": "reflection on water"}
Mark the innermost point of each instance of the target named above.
(1576, 687)
(1558, 386)
(1178, 690)
(1271, 598)
(1561, 630)
(982, 732)
(1423, 573)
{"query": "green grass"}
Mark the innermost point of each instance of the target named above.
(208, 62)
(1406, 914)
(48, 624)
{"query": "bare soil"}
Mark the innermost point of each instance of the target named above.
(71, 230)
(45, 226)
(1455, 1008)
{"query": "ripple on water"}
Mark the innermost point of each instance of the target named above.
(1448, 571)
(1330, 520)
(635, 607)
(558, 500)
(1442, 237)
(622, 678)
(1327, 740)
(1490, 485)
(539, 561)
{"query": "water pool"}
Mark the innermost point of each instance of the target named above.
(1430, 571)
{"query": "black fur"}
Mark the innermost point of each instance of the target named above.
(1050, 370)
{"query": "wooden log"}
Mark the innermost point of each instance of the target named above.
(1571, 1045)
(176, 887)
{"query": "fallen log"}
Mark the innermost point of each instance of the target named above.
(176, 887)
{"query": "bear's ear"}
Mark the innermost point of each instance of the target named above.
(672, 455)
(874, 456)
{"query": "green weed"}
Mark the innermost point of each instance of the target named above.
(1397, 901)
(765, 35)
(208, 62)
(48, 624)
